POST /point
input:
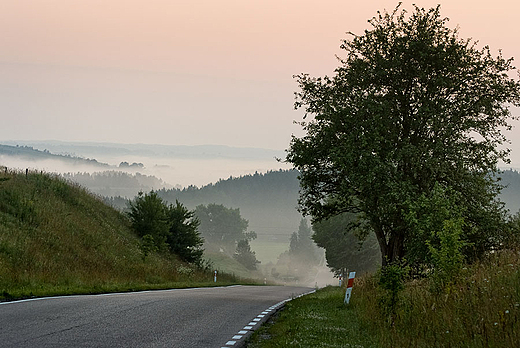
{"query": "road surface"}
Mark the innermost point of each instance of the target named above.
(199, 318)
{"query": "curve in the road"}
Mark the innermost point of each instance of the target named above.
(187, 318)
(239, 339)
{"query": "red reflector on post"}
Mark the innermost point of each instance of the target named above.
(350, 283)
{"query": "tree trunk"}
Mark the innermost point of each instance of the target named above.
(392, 250)
(395, 250)
(381, 240)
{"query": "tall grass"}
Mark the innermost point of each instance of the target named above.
(480, 309)
(56, 238)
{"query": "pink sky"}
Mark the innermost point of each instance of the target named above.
(188, 72)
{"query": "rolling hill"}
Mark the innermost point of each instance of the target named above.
(56, 238)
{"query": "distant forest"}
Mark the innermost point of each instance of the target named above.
(511, 193)
(113, 183)
(32, 154)
(268, 201)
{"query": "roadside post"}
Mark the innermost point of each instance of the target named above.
(340, 279)
(215, 277)
(350, 283)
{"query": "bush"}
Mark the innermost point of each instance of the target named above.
(172, 227)
(447, 259)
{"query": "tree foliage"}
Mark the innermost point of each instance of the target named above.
(245, 255)
(344, 248)
(148, 216)
(302, 249)
(184, 238)
(300, 262)
(166, 227)
(411, 106)
(222, 227)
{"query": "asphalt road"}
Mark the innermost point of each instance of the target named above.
(205, 317)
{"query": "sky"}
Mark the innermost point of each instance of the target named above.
(190, 72)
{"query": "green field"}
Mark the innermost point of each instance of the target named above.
(268, 250)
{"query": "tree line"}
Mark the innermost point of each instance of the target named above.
(173, 228)
(346, 246)
(113, 183)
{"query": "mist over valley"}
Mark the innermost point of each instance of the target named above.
(264, 190)
(177, 166)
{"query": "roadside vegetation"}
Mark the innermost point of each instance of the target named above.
(401, 150)
(57, 239)
(480, 309)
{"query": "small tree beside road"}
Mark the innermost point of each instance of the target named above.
(165, 227)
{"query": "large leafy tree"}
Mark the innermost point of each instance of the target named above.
(245, 255)
(411, 107)
(148, 216)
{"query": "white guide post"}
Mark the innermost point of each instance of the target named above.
(350, 283)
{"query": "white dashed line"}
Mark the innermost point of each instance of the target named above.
(258, 319)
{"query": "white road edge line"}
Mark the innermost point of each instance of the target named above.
(256, 320)
(114, 294)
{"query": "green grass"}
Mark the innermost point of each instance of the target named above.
(56, 238)
(267, 250)
(481, 309)
(317, 320)
(227, 264)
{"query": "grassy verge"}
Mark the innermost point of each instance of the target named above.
(482, 309)
(222, 262)
(317, 320)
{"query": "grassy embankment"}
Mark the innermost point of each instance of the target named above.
(482, 309)
(56, 238)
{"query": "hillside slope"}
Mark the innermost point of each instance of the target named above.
(32, 154)
(57, 238)
(268, 201)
